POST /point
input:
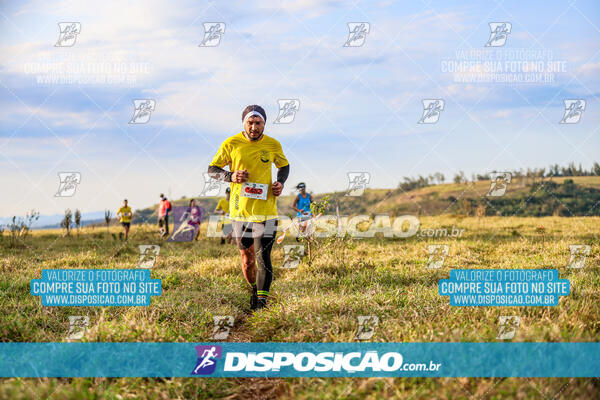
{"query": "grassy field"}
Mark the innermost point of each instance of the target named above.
(317, 302)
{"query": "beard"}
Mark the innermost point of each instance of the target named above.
(254, 135)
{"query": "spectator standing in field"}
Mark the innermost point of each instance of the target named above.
(164, 209)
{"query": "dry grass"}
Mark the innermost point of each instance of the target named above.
(316, 303)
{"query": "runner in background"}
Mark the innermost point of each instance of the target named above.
(302, 207)
(124, 214)
(164, 209)
(188, 222)
(196, 216)
(223, 209)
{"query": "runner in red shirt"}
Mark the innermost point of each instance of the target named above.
(164, 209)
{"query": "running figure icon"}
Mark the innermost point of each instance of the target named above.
(208, 356)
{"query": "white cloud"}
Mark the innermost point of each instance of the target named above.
(589, 69)
(52, 117)
(466, 92)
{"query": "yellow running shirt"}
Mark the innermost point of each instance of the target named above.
(125, 214)
(256, 157)
(223, 205)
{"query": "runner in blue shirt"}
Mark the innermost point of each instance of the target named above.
(302, 207)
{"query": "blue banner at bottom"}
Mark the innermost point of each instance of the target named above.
(227, 359)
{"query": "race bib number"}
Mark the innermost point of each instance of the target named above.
(255, 190)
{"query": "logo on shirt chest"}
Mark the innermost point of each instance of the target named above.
(265, 156)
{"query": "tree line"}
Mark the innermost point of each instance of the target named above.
(410, 183)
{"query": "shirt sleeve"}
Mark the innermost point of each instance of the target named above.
(223, 156)
(279, 159)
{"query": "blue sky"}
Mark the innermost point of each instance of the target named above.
(359, 106)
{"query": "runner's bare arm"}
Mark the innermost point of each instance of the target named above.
(219, 173)
(222, 175)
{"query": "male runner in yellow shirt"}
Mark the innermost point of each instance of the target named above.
(125, 215)
(253, 203)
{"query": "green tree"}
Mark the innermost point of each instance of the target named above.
(67, 221)
(77, 220)
(107, 217)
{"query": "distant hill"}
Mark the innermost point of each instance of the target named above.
(94, 222)
(525, 196)
(53, 221)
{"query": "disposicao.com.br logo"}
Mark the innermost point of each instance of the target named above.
(305, 363)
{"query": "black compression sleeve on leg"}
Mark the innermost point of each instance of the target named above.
(263, 245)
